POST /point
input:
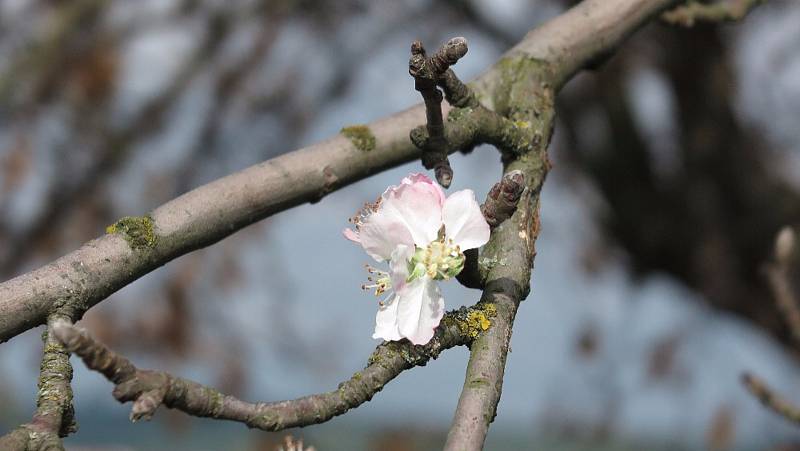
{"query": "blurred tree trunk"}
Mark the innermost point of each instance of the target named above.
(709, 221)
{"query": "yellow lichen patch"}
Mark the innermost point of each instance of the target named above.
(361, 137)
(477, 320)
(138, 231)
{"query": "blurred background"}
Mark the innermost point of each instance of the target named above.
(675, 166)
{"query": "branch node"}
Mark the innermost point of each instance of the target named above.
(501, 202)
(428, 72)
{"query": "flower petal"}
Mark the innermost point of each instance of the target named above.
(419, 204)
(398, 266)
(386, 320)
(419, 310)
(463, 221)
(351, 235)
(382, 232)
(417, 178)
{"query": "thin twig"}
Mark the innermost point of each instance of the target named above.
(770, 398)
(427, 73)
(150, 389)
(786, 300)
(721, 11)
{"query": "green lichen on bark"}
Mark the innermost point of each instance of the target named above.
(138, 231)
(519, 80)
(472, 321)
(54, 397)
(361, 137)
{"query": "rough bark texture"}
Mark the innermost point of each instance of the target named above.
(149, 389)
(54, 416)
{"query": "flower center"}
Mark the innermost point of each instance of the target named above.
(440, 260)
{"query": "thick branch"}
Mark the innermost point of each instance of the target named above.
(507, 261)
(501, 203)
(721, 11)
(149, 389)
(508, 257)
(213, 211)
(580, 37)
(54, 413)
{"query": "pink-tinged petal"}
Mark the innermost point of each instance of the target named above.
(351, 235)
(417, 178)
(425, 181)
(398, 266)
(419, 205)
(382, 232)
(386, 320)
(419, 310)
(463, 221)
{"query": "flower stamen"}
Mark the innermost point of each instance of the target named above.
(440, 260)
(361, 215)
(381, 282)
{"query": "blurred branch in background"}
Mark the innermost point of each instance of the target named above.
(778, 274)
(691, 191)
(719, 11)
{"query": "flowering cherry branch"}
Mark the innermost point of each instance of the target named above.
(515, 114)
(562, 47)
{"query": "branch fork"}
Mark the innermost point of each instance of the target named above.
(428, 73)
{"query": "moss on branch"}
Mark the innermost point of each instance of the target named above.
(361, 137)
(138, 231)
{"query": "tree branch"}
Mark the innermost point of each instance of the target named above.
(507, 262)
(508, 257)
(501, 203)
(770, 398)
(427, 72)
(149, 389)
(54, 413)
(721, 11)
(211, 212)
(780, 284)
(785, 299)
